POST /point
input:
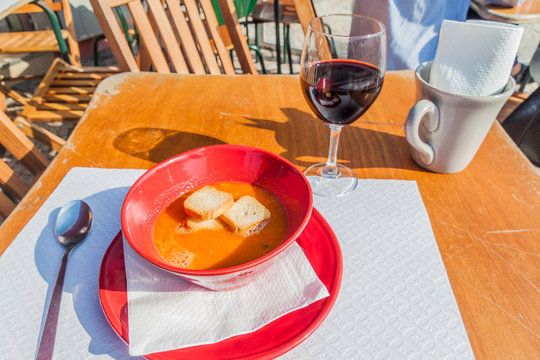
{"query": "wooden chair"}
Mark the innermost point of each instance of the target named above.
(59, 40)
(66, 88)
(62, 95)
(174, 37)
(13, 188)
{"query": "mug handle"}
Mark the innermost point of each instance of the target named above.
(422, 109)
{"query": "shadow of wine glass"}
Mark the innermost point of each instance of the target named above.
(365, 146)
(358, 147)
(158, 144)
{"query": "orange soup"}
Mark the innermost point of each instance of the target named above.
(214, 249)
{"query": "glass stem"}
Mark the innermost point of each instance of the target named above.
(331, 169)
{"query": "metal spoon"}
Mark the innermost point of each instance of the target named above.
(72, 225)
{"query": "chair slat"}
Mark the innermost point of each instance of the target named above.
(305, 11)
(68, 98)
(20, 146)
(198, 28)
(216, 37)
(116, 3)
(30, 41)
(62, 106)
(235, 32)
(61, 82)
(39, 116)
(32, 8)
(80, 90)
(10, 180)
(168, 38)
(40, 134)
(13, 43)
(74, 54)
(148, 37)
(6, 205)
(103, 10)
(94, 75)
(7, 40)
(13, 188)
(189, 46)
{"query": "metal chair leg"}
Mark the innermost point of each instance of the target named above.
(96, 48)
(258, 56)
(288, 45)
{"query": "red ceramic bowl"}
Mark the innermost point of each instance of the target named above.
(163, 183)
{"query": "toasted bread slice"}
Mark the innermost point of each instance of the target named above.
(212, 224)
(255, 229)
(247, 212)
(192, 225)
(208, 203)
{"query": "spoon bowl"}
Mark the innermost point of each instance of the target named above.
(72, 225)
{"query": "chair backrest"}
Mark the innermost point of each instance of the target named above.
(306, 12)
(177, 35)
(12, 186)
(52, 8)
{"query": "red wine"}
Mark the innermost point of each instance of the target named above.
(340, 91)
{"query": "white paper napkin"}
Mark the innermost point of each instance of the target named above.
(166, 312)
(29, 266)
(474, 57)
(395, 301)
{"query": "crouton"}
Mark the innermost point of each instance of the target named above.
(245, 214)
(192, 225)
(207, 203)
(255, 229)
(212, 224)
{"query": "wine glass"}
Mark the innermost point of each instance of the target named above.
(341, 73)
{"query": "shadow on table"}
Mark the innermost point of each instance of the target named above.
(156, 144)
(371, 148)
(303, 149)
(82, 273)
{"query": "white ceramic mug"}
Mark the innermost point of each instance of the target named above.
(446, 130)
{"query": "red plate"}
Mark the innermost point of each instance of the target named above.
(321, 248)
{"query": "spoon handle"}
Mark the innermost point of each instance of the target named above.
(46, 345)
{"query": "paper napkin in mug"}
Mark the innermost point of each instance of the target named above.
(475, 57)
(166, 312)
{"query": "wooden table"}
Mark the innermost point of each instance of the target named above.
(486, 219)
(529, 11)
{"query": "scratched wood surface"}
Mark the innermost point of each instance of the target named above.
(486, 219)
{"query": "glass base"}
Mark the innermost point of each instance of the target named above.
(341, 184)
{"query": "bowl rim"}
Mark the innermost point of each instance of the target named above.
(228, 270)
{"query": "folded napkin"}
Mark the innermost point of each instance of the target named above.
(474, 57)
(166, 312)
